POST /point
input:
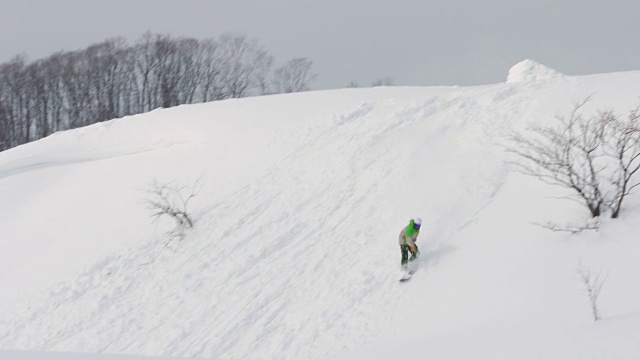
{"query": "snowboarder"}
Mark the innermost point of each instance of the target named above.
(408, 237)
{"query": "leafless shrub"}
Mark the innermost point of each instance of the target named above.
(593, 283)
(169, 200)
(589, 224)
(585, 154)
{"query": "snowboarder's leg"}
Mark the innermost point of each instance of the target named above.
(404, 250)
(411, 265)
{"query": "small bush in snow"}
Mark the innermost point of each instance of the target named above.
(593, 283)
(588, 224)
(169, 200)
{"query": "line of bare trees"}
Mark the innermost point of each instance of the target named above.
(112, 79)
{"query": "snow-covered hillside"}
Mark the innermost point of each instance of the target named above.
(294, 253)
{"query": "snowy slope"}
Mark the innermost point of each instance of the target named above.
(294, 253)
(48, 355)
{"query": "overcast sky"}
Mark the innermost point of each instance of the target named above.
(417, 42)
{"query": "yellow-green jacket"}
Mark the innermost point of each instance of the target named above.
(409, 235)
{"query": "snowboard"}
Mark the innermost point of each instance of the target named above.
(406, 275)
(408, 272)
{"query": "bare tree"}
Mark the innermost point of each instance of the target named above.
(567, 155)
(585, 154)
(212, 87)
(169, 72)
(294, 76)
(192, 58)
(241, 55)
(145, 64)
(593, 283)
(77, 77)
(107, 72)
(263, 65)
(44, 95)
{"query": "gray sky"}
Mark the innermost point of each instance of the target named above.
(417, 42)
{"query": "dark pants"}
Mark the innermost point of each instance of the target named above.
(405, 250)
